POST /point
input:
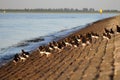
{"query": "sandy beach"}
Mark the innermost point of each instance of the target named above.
(99, 60)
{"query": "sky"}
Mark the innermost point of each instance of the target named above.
(79, 4)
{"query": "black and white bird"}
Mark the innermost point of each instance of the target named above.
(16, 58)
(47, 49)
(41, 49)
(67, 42)
(106, 36)
(118, 29)
(88, 38)
(84, 41)
(51, 46)
(74, 41)
(94, 35)
(61, 45)
(78, 37)
(111, 31)
(106, 30)
(44, 50)
(88, 35)
(54, 46)
(25, 54)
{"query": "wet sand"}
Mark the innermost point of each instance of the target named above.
(97, 61)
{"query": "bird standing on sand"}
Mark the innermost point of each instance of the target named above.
(84, 41)
(25, 54)
(94, 35)
(106, 36)
(78, 37)
(16, 58)
(106, 30)
(111, 31)
(89, 38)
(118, 29)
(44, 50)
(41, 49)
(51, 46)
(63, 43)
(67, 42)
(76, 42)
(55, 45)
(60, 45)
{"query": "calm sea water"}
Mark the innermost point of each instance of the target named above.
(18, 30)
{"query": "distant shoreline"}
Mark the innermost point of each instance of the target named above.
(65, 10)
(57, 12)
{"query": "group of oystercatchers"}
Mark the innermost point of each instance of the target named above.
(21, 57)
(72, 41)
(108, 32)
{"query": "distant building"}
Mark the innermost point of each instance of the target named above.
(85, 10)
(91, 10)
